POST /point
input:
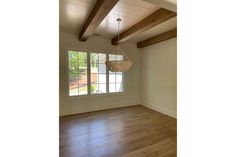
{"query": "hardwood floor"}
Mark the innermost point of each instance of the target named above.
(134, 131)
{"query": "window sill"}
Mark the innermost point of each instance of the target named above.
(98, 95)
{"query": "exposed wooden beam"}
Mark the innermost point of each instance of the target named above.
(159, 16)
(167, 4)
(161, 37)
(99, 12)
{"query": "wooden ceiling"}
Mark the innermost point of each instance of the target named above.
(141, 19)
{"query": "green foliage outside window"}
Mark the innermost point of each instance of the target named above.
(93, 60)
(77, 63)
(93, 88)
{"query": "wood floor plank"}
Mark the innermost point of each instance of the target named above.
(134, 131)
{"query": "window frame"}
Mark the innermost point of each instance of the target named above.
(68, 73)
(89, 94)
(115, 76)
(98, 72)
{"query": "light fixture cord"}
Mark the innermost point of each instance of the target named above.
(118, 48)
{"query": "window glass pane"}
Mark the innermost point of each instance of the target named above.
(115, 57)
(77, 73)
(112, 77)
(102, 58)
(94, 77)
(82, 57)
(112, 57)
(94, 66)
(73, 67)
(112, 87)
(93, 59)
(119, 57)
(119, 77)
(83, 78)
(98, 72)
(98, 78)
(102, 78)
(73, 77)
(82, 65)
(101, 68)
(115, 78)
(74, 89)
(73, 84)
(94, 69)
(110, 72)
(72, 56)
(94, 88)
(102, 88)
(119, 87)
(82, 69)
(83, 89)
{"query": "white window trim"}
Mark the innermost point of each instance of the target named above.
(89, 79)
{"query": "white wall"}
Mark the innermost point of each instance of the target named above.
(159, 69)
(71, 105)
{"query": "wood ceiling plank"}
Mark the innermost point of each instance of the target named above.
(159, 16)
(161, 37)
(99, 12)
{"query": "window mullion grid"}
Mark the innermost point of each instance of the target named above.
(107, 75)
(98, 73)
(88, 74)
(78, 74)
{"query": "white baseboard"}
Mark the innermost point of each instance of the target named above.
(78, 111)
(162, 110)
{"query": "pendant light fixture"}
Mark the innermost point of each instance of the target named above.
(119, 65)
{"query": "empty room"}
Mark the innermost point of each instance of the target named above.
(118, 85)
(117, 78)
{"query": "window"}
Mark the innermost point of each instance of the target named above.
(78, 84)
(115, 78)
(98, 73)
(88, 74)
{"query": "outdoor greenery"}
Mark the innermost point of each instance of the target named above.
(77, 60)
(93, 60)
(78, 63)
(93, 88)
